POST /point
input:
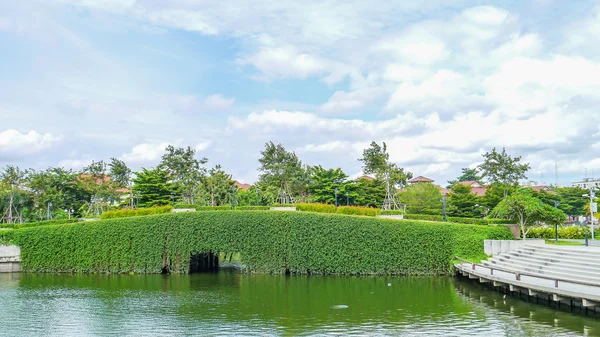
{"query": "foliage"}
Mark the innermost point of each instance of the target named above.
(6, 236)
(125, 213)
(281, 169)
(184, 170)
(97, 183)
(549, 233)
(321, 208)
(252, 208)
(45, 223)
(468, 174)
(356, 210)
(268, 242)
(571, 200)
(154, 187)
(121, 177)
(502, 168)
(391, 212)
(463, 203)
(495, 192)
(424, 198)
(527, 211)
(472, 221)
(376, 160)
(369, 193)
(218, 187)
(214, 208)
(283, 205)
(323, 182)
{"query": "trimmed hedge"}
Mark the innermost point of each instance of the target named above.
(222, 208)
(355, 210)
(283, 205)
(39, 223)
(470, 221)
(549, 233)
(6, 236)
(252, 208)
(213, 208)
(126, 213)
(319, 208)
(391, 212)
(268, 242)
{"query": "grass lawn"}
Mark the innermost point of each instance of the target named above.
(564, 243)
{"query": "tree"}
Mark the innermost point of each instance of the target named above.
(184, 169)
(376, 160)
(323, 182)
(423, 198)
(527, 211)
(218, 186)
(64, 189)
(502, 168)
(494, 193)
(121, 177)
(281, 169)
(468, 174)
(463, 203)
(154, 187)
(367, 193)
(571, 200)
(96, 182)
(12, 180)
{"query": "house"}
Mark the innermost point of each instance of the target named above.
(476, 188)
(241, 186)
(420, 179)
(364, 177)
(587, 183)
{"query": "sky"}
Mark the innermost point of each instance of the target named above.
(441, 82)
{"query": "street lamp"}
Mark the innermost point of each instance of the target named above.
(233, 196)
(172, 198)
(138, 199)
(444, 207)
(257, 198)
(336, 192)
(556, 203)
(347, 200)
(593, 207)
(49, 205)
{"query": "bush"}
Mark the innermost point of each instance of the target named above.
(355, 210)
(213, 208)
(549, 233)
(126, 213)
(391, 212)
(45, 223)
(268, 242)
(252, 208)
(319, 208)
(470, 221)
(6, 236)
(283, 205)
(182, 205)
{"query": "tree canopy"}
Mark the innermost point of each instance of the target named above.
(500, 167)
(281, 168)
(463, 203)
(468, 174)
(423, 198)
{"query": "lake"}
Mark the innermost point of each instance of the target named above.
(228, 303)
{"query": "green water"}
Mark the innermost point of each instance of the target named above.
(232, 304)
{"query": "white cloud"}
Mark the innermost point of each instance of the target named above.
(16, 143)
(417, 46)
(286, 62)
(342, 101)
(75, 164)
(145, 153)
(327, 147)
(202, 146)
(218, 102)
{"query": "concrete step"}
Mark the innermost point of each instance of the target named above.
(535, 265)
(565, 276)
(585, 252)
(547, 259)
(558, 257)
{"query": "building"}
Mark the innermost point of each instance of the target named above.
(476, 188)
(364, 177)
(241, 186)
(420, 179)
(587, 183)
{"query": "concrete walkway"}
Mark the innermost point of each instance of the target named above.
(568, 274)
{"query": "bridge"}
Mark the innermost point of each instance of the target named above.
(564, 275)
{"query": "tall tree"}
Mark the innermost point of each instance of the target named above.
(96, 181)
(502, 168)
(571, 200)
(423, 198)
(368, 193)
(323, 182)
(468, 174)
(463, 203)
(376, 160)
(121, 177)
(12, 180)
(184, 169)
(218, 186)
(527, 211)
(154, 187)
(280, 168)
(64, 189)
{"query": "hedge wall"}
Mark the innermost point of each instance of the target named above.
(269, 242)
(39, 223)
(549, 233)
(125, 213)
(355, 210)
(471, 221)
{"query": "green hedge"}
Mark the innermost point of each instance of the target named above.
(471, 221)
(391, 212)
(283, 205)
(39, 223)
(268, 242)
(572, 232)
(319, 208)
(6, 236)
(355, 210)
(126, 213)
(213, 208)
(252, 208)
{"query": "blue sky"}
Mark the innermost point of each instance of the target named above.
(441, 82)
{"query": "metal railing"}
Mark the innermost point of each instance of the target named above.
(518, 274)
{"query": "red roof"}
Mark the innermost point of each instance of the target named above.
(99, 181)
(421, 179)
(542, 188)
(443, 190)
(241, 186)
(364, 177)
(476, 188)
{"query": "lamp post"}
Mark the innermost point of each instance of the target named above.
(444, 207)
(137, 205)
(49, 205)
(257, 198)
(593, 207)
(172, 198)
(347, 199)
(233, 196)
(556, 203)
(336, 192)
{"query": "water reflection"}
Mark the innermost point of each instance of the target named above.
(235, 304)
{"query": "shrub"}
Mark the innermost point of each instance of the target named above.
(45, 223)
(319, 208)
(213, 208)
(283, 205)
(126, 213)
(6, 236)
(355, 210)
(268, 242)
(471, 221)
(391, 212)
(252, 208)
(182, 205)
(548, 233)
